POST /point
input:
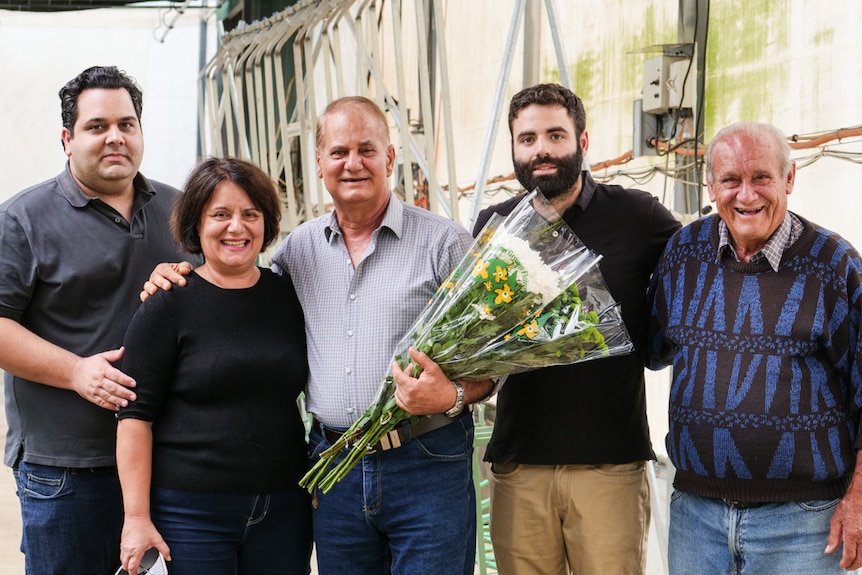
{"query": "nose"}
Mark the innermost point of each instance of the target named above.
(114, 135)
(353, 161)
(746, 190)
(541, 147)
(235, 224)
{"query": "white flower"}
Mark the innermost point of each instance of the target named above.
(537, 276)
(484, 311)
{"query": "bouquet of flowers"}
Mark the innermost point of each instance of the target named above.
(528, 294)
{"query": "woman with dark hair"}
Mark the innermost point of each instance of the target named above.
(211, 451)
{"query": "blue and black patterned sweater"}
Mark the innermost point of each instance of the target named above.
(767, 366)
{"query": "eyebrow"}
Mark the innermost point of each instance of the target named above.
(551, 130)
(103, 120)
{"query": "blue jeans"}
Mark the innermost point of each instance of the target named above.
(403, 511)
(783, 538)
(226, 534)
(72, 519)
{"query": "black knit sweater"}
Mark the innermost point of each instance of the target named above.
(218, 374)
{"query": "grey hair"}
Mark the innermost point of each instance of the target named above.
(754, 130)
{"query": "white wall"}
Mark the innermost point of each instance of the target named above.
(40, 52)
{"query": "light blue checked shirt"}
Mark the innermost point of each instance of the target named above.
(355, 318)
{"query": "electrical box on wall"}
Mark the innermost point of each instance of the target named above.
(655, 96)
(667, 84)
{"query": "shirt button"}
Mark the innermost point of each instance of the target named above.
(348, 370)
(350, 332)
(350, 410)
(352, 296)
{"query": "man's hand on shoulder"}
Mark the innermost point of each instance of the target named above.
(100, 383)
(164, 276)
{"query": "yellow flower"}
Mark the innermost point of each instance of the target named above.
(486, 236)
(504, 295)
(481, 270)
(488, 286)
(529, 329)
(502, 274)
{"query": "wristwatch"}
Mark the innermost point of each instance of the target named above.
(456, 409)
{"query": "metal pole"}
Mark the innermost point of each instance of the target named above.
(447, 113)
(532, 42)
(428, 126)
(496, 109)
(559, 49)
(407, 158)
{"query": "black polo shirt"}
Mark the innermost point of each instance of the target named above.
(71, 271)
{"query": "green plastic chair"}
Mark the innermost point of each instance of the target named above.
(484, 550)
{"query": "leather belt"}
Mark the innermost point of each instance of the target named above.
(743, 504)
(404, 433)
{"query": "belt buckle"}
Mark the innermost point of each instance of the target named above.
(391, 440)
(742, 504)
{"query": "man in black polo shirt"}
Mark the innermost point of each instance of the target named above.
(75, 251)
(568, 451)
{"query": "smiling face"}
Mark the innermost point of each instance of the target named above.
(354, 157)
(106, 145)
(749, 188)
(231, 230)
(546, 151)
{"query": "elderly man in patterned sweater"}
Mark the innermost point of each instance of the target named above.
(758, 311)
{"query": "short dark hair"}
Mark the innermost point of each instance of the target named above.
(550, 95)
(100, 77)
(200, 186)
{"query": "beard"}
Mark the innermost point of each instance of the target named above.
(552, 185)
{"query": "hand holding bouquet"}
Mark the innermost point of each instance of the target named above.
(527, 295)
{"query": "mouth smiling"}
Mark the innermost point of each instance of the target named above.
(235, 243)
(749, 212)
(544, 166)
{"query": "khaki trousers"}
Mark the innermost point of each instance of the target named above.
(569, 519)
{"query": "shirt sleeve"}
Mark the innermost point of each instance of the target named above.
(151, 352)
(18, 268)
(278, 263)
(660, 349)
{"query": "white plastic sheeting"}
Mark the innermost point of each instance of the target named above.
(40, 52)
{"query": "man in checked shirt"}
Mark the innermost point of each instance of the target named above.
(363, 274)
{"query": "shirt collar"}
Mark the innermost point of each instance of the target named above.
(392, 219)
(588, 189)
(585, 196)
(783, 237)
(77, 198)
